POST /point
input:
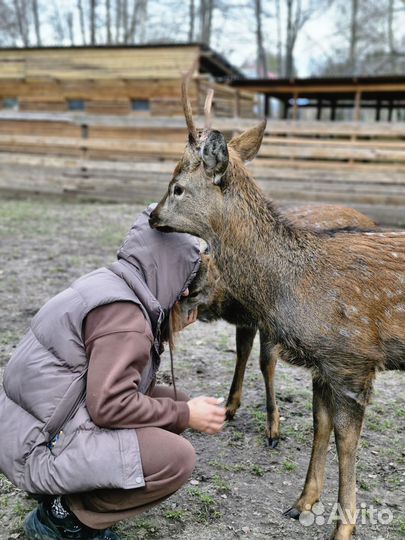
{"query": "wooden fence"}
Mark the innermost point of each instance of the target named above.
(111, 159)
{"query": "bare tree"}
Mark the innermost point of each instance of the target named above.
(371, 38)
(93, 7)
(8, 24)
(279, 39)
(299, 12)
(21, 14)
(70, 27)
(295, 21)
(108, 21)
(125, 22)
(82, 21)
(206, 11)
(191, 21)
(142, 20)
(118, 18)
(353, 36)
(57, 23)
(261, 54)
(36, 22)
(133, 23)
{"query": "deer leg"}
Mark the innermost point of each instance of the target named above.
(323, 423)
(244, 343)
(348, 423)
(268, 361)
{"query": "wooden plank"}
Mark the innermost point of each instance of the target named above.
(327, 165)
(362, 130)
(331, 153)
(336, 143)
(93, 63)
(162, 149)
(127, 167)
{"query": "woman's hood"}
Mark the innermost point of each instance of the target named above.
(167, 262)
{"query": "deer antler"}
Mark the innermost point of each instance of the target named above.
(207, 109)
(185, 100)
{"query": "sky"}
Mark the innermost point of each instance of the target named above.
(234, 31)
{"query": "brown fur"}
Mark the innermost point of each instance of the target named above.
(209, 294)
(334, 302)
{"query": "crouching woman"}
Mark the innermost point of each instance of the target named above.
(83, 424)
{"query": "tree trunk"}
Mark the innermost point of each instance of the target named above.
(69, 24)
(81, 19)
(279, 41)
(289, 45)
(206, 9)
(21, 23)
(58, 23)
(118, 16)
(93, 22)
(142, 18)
(36, 22)
(353, 37)
(391, 42)
(108, 21)
(191, 21)
(133, 24)
(125, 25)
(261, 67)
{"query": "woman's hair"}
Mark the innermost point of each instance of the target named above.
(170, 326)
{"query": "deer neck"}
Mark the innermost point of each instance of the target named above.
(259, 254)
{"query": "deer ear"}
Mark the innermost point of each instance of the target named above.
(214, 153)
(248, 143)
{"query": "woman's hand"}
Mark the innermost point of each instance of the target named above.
(206, 415)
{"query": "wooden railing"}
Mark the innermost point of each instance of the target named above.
(361, 165)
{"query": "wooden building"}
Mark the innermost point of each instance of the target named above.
(333, 98)
(140, 79)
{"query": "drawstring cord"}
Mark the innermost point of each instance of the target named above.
(172, 370)
(171, 354)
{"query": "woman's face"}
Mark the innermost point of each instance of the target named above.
(187, 316)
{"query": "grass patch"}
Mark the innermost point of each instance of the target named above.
(207, 507)
(176, 515)
(256, 470)
(289, 466)
(220, 484)
(237, 436)
(8, 338)
(364, 486)
(140, 528)
(400, 526)
(226, 466)
(259, 418)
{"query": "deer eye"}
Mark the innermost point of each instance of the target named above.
(178, 190)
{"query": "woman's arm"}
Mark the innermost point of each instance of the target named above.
(118, 342)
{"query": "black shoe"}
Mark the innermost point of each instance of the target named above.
(41, 524)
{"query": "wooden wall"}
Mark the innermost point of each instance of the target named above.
(132, 159)
(108, 79)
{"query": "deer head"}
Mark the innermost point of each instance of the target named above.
(194, 201)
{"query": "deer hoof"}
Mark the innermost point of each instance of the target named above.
(273, 443)
(229, 415)
(292, 513)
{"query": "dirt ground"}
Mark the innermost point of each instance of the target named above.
(240, 487)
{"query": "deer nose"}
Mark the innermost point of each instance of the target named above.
(153, 219)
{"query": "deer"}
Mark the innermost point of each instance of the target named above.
(208, 294)
(333, 301)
